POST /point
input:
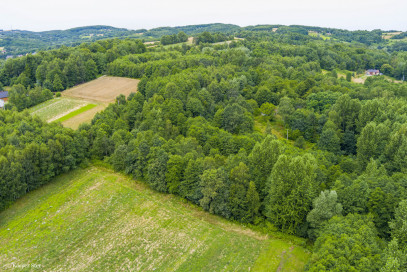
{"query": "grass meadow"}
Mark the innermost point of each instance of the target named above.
(94, 219)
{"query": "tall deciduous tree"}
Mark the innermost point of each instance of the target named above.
(214, 191)
(190, 187)
(285, 108)
(176, 167)
(325, 206)
(261, 161)
(347, 244)
(371, 143)
(329, 140)
(57, 84)
(157, 167)
(395, 259)
(239, 183)
(399, 225)
(292, 189)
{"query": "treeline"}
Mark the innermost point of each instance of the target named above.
(22, 98)
(192, 30)
(33, 152)
(207, 37)
(397, 47)
(359, 36)
(400, 36)
(66, 67)
(174, 38)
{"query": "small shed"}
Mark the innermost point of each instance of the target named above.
(373, 72)
(4, 95)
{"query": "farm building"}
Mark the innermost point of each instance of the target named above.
(4, 95)
(373, 72)
(1, 104)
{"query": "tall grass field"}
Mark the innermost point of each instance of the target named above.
(94, 219)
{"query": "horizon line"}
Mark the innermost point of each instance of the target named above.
(133, 29)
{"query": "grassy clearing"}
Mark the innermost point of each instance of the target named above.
(76, 112)
(276, 126)
(55, 107)
(316, 34)
(188, 42)
(393, 41)
(389, 35)
(277, 129)
(359, 78)
(356, 78)
(281, 257)
(96, 220)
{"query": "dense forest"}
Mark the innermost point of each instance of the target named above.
(262, 131)
(32, 152)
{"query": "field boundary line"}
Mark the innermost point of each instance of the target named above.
(65, 113)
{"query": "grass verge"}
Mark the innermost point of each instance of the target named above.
(76, 112)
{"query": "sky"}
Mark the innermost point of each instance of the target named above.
(40, 15)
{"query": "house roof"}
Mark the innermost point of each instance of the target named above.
(4, 94)
(373, 71)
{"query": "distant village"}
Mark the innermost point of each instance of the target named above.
(3, 51)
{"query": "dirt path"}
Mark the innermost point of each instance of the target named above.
(284, 258)
(358, 80)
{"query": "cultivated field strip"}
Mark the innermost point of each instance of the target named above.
(99, 92)
(56, 108)
(104, 89)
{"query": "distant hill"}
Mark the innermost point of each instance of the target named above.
(193, 29)
(19, 42)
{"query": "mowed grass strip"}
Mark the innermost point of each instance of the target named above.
(76, 112)
(97, 220)
(54, 107)
(85, 117)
